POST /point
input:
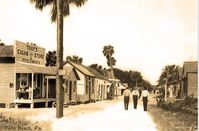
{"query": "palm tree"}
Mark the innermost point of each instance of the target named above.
(60, 8)
(51, 58)
(75, 59)
(98, 68)
(170, 73)
(108, 51)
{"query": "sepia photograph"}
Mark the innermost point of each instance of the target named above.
(98, 65)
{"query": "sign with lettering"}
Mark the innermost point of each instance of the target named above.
(29, 53)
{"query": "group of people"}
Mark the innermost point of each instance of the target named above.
(135, 95)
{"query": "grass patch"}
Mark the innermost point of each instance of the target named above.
(15, 124)
(188, 105)
(172, 120)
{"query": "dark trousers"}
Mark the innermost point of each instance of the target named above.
(145, 101)
(126, 102)
(135, 101)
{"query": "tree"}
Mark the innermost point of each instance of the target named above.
(169, 74)
(75, 59)
(135, 78)
(108, 51)
(60, 8)
(123, 76)
(51, 58)
(147, 84)
(98, 68)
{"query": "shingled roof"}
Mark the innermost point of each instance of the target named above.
(87, 70)
(6, 51)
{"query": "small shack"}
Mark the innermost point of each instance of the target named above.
(83, 84)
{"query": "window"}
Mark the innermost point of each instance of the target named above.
(23, 80)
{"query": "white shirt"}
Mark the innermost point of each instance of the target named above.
(126, 92)
(145, 93)
(135, 92)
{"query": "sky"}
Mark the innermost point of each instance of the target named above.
(146, 34)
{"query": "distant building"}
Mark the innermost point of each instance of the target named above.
(190, 79)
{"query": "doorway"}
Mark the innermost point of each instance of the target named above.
(70, 90)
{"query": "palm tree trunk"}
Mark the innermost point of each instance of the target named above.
(113, 87)
(59, 78)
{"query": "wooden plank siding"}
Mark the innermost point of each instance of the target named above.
(90, 85)
(6, 77)
(192, 83)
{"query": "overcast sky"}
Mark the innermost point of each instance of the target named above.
(146, 34)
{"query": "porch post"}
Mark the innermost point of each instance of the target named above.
(14, 84)
(47, 92)
(47, 88)
(32, 89)
(15, 88)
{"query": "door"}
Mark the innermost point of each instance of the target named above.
(70, 90)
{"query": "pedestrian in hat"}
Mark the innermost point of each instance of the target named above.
(135, 94)
(126, 95)
(145, 96)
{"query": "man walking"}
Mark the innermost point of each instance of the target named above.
(126, 95)
(145, 95)
(135, 94)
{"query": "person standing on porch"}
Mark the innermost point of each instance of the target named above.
(145, 96)
(126, 95)
(136, 95)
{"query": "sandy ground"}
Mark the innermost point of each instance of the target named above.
(99, 116)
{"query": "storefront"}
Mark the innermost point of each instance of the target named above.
(34, 84)
(26, 80)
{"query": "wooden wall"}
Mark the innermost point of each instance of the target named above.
(192, 83)
(7, 75)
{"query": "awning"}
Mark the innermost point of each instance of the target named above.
(30, 68)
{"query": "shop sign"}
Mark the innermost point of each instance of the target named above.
(29, 53)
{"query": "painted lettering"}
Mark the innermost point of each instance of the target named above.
(32, 48)
(40, 56)
(22, 52)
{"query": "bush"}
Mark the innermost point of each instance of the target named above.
(189, 105)
(9, 123)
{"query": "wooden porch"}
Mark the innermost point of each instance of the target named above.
(32, 102)
(34, 84)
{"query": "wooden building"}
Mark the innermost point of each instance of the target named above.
(117, 86)
(84, 84)
(190, 79)
(187, 83)
(24, 79)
